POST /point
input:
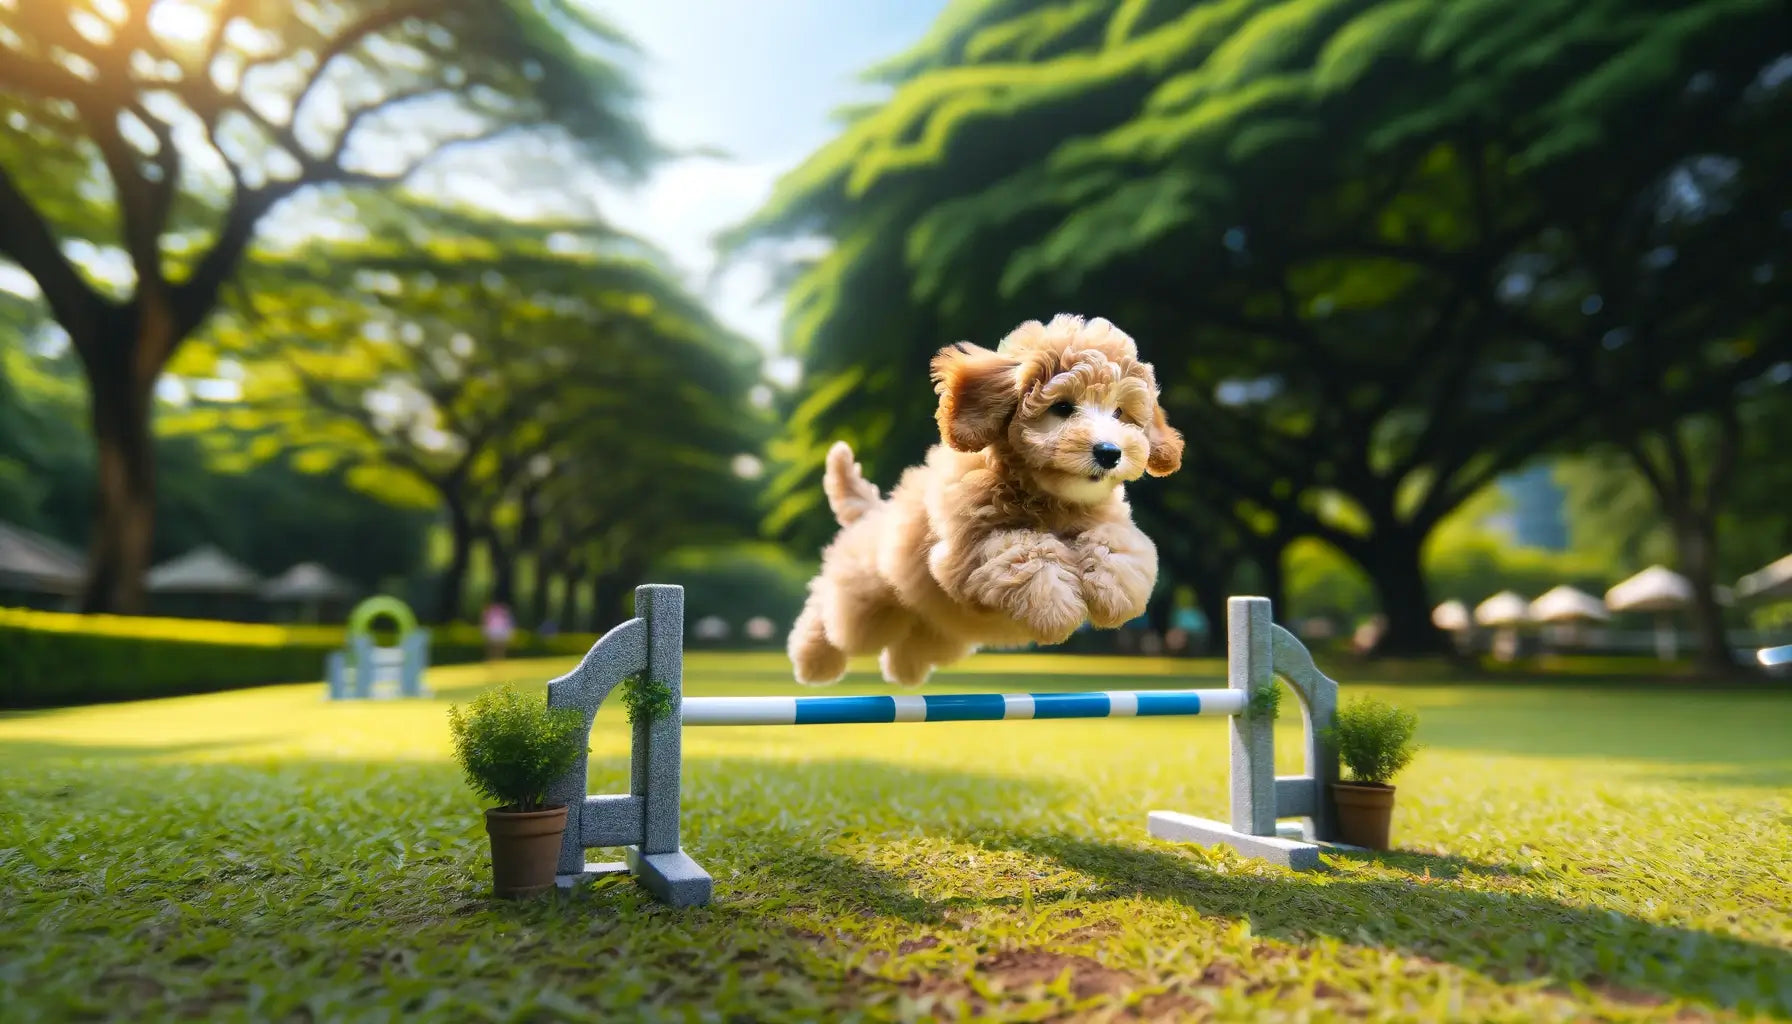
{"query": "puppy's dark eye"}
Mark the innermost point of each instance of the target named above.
(1062, 409)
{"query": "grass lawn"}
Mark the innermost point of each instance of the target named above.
(1567, 853)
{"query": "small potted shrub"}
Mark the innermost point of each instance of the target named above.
(512, 747)
(1374, 742)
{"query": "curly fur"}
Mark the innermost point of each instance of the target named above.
(1011, 530)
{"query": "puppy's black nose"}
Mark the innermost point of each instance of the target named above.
(1107, 455)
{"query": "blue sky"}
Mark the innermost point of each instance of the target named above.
(756, 78)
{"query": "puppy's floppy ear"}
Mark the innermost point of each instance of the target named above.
(979, 391)
(1166, 445)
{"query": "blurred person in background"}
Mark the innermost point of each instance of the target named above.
(498, 627)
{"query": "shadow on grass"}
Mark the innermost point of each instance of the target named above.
(1445, 909)
(1510, 936)
(320, 864)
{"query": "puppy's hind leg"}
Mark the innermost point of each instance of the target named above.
(814, 657)
(912, 659)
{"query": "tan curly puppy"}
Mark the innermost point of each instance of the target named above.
(1015, 529)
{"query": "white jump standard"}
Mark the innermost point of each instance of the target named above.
(645, 820)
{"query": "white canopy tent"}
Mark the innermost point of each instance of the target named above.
(1655, 589)
(1451, 616)
(307, 581)
(1565, 613)
(203, 570)
(32, 564)
(1770, 583)
(1504, 612)
(311, 589)
(1568, 604)
(1658, 590)
(205, 583)
(1504, 609)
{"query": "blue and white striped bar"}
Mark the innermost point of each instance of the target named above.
(958, 707)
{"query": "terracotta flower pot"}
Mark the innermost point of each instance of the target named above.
(525, 849)
(1365, 813)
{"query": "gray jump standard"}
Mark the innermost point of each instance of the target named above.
(645, 821)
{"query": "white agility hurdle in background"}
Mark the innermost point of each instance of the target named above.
(645, 821)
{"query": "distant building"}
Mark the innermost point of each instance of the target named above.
(1536, 519)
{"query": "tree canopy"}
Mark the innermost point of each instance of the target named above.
(162, 133)
(557, 393)
(1382, 252)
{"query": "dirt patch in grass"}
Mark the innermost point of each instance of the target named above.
(1166, 1006)
(916, 945)
(1635, 1000)
(1025, 968)
(1018, 970)
(129, 984)
(1087, 933)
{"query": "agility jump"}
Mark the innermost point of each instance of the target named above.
(645, 821)
(364, 670)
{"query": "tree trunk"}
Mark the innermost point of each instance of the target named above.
(503, 565)
(539, 603)
(528, 539)
(595, 618)
(1211, 578)
(570, 582)
(454, 580)
(1392, 559)
(1210, 597)
(609, 598)
(1271, 579)
(611, 592)
(1695, 541)
(1693, 516)
(1160, 612)
(125, 513)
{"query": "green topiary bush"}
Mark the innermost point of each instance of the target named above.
(1374, 739)
(512, 746)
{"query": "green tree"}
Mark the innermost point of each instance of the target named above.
(130, 129)
(1216, 544)
(1346, 232)
(293, 516)
(1615, 511)
(615, 509)
(510, 375)
(38, 394)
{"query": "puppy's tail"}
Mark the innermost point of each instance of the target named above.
(850, 495)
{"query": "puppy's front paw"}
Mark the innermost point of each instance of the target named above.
(1118, 574)
(1032, 579)
(1049, 602)
(1110, 603)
